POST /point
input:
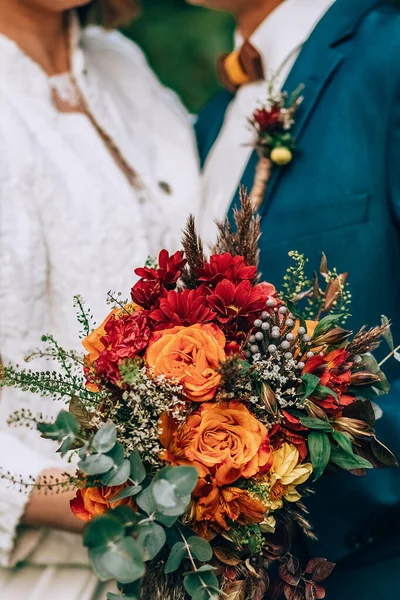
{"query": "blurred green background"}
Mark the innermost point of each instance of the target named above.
(182, 43)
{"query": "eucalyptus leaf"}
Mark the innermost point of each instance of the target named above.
(184, 479)
(127, 492)
(105, 438)
(152, 539)
(194, 580)
(167, 521)
(319, 447)
(123, 561)
(96, 464)
(176, 556)
(138, 472)
(117, 453)
(164, 493)
(102, 531)
(200, 548)
(64, 429)
(201, 594)
(145, 500)
(117, 475)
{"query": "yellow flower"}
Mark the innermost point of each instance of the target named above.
(281, 156)
(285, 475)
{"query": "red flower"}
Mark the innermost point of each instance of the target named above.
(280, 434)
(126, 337)
(187, 307)
(334, 372)
(237, 305)
(169, 269)
(267, 120)
(226, 266)
(148, 290)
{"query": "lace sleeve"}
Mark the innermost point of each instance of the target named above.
(22, 314)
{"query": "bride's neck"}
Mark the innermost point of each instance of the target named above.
(41, 34)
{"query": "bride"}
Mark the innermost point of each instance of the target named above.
(98, 170)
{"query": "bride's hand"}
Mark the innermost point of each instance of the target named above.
(51, 509)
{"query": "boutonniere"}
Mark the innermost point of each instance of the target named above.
(273, 123)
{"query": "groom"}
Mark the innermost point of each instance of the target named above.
(340, 195)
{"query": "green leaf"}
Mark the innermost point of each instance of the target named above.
(164, 493)
(347, 461)
(322, 390)
(326, 324)
(200, 548)
(388, 337)
(344, 441)
(183, 479)
(96, 464)
(177, 554)
(319, 447)
(105, 439)
(126, 515)
(201, 594)
(64, 429)
(123, 561)
(310, 383)
(145, 500)
(102, 531)
(193, 581)
(117, 475)
(138, 472)
(312, 422)
(152, 538)
(128, 492)
(165, 520)
(117, 453)
(111, 596)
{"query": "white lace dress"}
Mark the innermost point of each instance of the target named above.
(70, 222)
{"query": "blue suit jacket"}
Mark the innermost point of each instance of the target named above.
(341, 195)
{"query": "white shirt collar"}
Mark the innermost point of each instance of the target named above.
(285, 30)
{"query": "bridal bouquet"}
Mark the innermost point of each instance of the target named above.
(201, 413)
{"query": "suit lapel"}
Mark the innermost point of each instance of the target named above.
(210, 121)
(319, 60)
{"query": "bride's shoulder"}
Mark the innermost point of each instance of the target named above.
(123, 61)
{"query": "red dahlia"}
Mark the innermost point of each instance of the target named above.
(226, 266)
(126, 337)
(148, 290)
(237, 305)
(169, 269)
(187, 307)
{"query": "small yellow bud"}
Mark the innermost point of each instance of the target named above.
(281, 156)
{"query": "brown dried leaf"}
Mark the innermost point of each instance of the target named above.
(236, 590)
(323, 269)
(269, 399)
(227, 556)
(315, 411)
(334, 291)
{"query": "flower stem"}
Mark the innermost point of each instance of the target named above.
(263, 173)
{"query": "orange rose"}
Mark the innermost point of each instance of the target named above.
(229, 441)
(93, 344)
(211, 513)
(91, 502)
(191, 355)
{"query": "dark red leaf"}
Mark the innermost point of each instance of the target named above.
(276, 589)
(290, 571)
(320, 592)
(311, 592)
(292, 593)
(319, 569)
